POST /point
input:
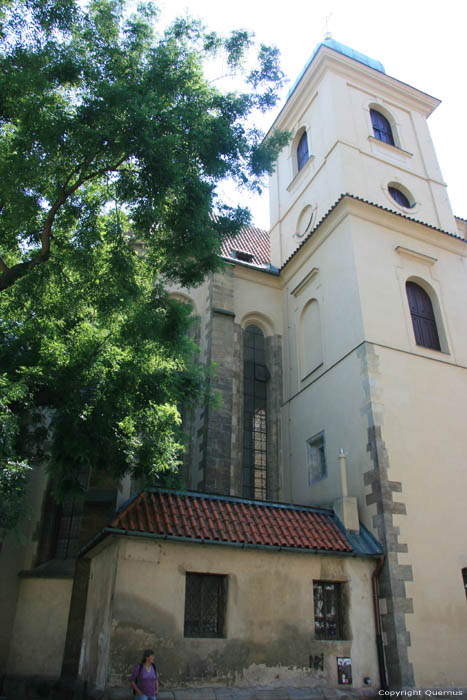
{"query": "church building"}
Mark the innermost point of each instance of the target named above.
(320, 537)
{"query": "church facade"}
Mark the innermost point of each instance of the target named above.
(340, 345)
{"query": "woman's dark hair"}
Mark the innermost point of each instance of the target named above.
(146, 653)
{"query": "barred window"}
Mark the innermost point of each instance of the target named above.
(70, 515)
(69, 526)
(205, 602)
(328, 610)
(255, 378)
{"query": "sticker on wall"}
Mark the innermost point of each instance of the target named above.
(344, 670)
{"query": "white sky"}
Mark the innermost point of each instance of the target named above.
(421, 43)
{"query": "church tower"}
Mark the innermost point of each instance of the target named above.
(373, 274)
(356, 131)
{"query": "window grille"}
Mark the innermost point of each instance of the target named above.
(327, 606)
(255, 380)
(69, 521)
(205, 599)
(381, 127)
(69, 528)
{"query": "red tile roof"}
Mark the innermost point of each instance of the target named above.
(250, 240)
(226, 520)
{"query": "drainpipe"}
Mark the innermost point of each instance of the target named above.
(379, 636)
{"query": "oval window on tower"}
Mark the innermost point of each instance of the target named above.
(401, 195)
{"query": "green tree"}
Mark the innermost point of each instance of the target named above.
(110, 132)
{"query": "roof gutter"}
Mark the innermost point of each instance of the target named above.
(239, 545)
(348, 195)
(258, 268)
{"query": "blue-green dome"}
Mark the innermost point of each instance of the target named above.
(345, 51)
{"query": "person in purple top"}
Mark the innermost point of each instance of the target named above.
(143, 679)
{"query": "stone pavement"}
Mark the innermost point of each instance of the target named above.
(15, 688)
(265, 693)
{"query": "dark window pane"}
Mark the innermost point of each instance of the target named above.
(381, 127)
(423, 317)
(302, 151)
(67, 545)
(204, 605)
(326, 598)
(249, 369)
(260, 392)
(249, 403)
(261, 371)
(399, 197)
(256, 376)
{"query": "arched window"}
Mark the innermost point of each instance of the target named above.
(302, 151)
(399, 197)
(381, 127)
(255, 378)
(423, 317)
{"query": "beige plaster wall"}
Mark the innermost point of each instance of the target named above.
(332, 398)
(336, 403)
(324, 270)
(415, 396)
(269, 619)
(39, 629)
(97, 628)
(18, 553)
(428, 459)
(390, 252)
(257, 298)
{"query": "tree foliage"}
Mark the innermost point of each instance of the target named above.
(110, 132)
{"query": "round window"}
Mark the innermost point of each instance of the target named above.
(305, 220)
(399, 197)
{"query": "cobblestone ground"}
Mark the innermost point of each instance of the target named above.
(260, 693)
(19, 689)
(263, 693)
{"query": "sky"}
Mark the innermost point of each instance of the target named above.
(420, 43)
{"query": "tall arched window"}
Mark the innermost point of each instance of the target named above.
(381, 127)
(302, 151)
(255, 378)
(423, 317)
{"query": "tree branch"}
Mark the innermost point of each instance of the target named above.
(14, 273)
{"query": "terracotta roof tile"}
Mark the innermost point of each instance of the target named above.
(252, 240)
(194, 516)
